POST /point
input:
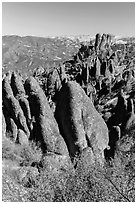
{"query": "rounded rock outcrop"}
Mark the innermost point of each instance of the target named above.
(79, 122)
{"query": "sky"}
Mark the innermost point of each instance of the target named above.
(72, 18)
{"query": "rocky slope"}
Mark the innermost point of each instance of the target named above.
(80, 109)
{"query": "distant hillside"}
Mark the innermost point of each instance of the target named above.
(29, 52)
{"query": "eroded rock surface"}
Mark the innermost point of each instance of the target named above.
(46, 128)
(79, 122)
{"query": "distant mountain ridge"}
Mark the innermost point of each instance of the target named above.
(28, 52)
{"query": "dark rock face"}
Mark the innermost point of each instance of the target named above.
(114, 136)
(103, 68)
(130, 105)
(111, 67)
(17, 85)
(109, 38)
(130, 121)
(68, 116)
(46, 128)
(123, 114)
(120, 112)
(97, 41)
(130, 116)
(79, 122)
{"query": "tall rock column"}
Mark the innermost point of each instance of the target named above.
(46, 129)
(12, 105)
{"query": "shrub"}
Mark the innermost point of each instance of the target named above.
(97, 184)
(115, 182)
(24, 155)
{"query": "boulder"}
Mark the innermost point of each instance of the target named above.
(79, 122)
(106, 116)
(12, 128)
(56, 163)
(27, 176)
(3, 126)
(45, 129)
(22, 138)
(6, 88)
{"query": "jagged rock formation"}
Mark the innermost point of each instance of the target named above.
(12, 105)
(26, 102)
(101, 73)
(97, 41)
(20, 95)
(79, 122)
(28, 115)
